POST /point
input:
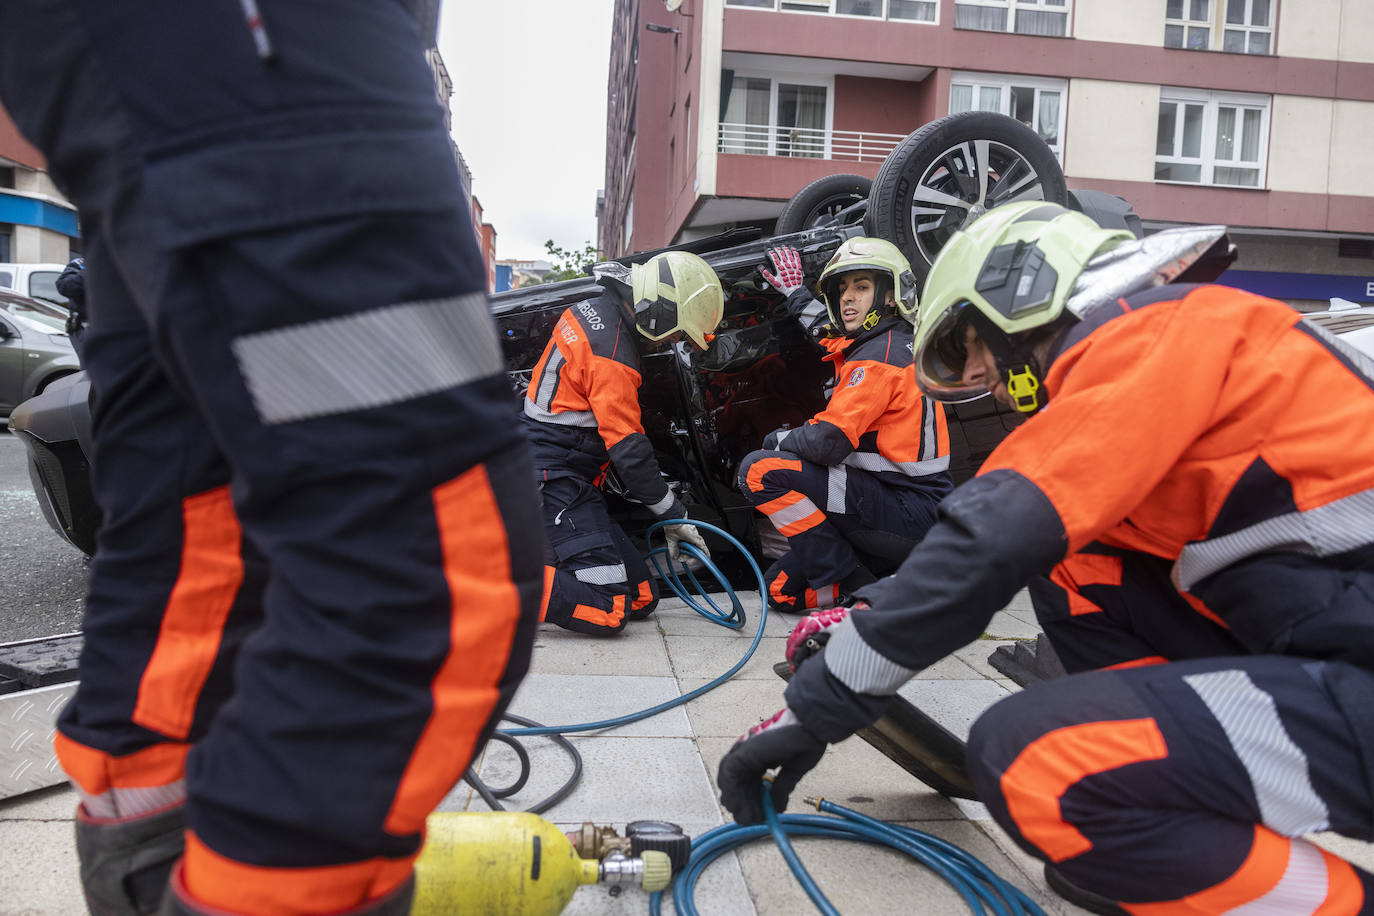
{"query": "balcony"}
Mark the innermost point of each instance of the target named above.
(805, 142)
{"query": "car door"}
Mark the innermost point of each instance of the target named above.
(11, 365)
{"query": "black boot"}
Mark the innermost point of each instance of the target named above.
(178, 902)
(125, 861)
(1093, 903)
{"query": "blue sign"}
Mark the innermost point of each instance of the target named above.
(30, 211)
(1278, 285)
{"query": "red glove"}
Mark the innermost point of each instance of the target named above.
(809, 635)
(787, 263)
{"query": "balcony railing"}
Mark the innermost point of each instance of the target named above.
(805, 142)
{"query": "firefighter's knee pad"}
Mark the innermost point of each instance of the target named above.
(125, 863)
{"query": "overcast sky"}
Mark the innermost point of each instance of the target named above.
(529, 114)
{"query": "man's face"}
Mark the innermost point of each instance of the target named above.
(981, 369)
(855, 292)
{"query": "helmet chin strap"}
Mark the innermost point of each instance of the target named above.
(1017, 362)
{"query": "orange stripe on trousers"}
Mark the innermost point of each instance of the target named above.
(96, 772)
(1049, 765)
(193, 624)
(485, 608)
(756, 470)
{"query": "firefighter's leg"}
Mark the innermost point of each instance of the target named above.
(797, 496)
(790, 592)
(1109, 608)
(588, 586)
(174, 590)
(1187, 787)
(643, 589)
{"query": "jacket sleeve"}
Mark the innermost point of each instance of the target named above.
(994, 534)
(613, 392)
(862, 394)
(809, 311)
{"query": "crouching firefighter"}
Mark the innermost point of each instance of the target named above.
(876, 459)
(582, 414)
(1195, 513)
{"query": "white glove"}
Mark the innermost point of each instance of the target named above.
(676, 534)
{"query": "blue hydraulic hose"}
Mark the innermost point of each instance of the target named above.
(718, 616)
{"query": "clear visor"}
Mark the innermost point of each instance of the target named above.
(941, 357)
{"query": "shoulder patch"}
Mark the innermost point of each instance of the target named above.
(856, 377)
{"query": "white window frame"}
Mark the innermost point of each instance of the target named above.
(1217, 26)
(1004, 83)
(1211, 103)
(1037, 6)
(827, 8)
(792, 79)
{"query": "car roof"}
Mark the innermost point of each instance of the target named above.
(37, 305)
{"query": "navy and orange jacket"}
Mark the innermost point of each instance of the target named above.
(582, 406)
(877, 419)
(1215, 429)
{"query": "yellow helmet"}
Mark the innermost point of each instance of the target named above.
(676, 291)
(890, 268)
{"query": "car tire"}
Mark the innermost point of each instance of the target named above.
(820, 203)
(957, 167)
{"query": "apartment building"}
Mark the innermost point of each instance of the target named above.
(37, 224)
(1255, 113)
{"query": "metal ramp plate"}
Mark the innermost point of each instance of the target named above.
(28, 721)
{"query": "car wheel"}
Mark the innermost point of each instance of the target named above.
(951, 171)
(824, 202)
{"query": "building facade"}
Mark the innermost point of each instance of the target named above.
(1255, 113)
(37, 224)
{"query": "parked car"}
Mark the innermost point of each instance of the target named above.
(704, 412)
(35, 350)
(37, 281)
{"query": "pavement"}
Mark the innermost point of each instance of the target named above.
(664, 768)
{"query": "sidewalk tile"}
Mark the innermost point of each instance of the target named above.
(638, 649)
(708, 656)
(954, 704)
(567, 699)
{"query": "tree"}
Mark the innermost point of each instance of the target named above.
(568, 263)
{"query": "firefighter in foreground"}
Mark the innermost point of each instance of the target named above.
(287, 324)
(1197, 485)
(582, 416)
(877, 457)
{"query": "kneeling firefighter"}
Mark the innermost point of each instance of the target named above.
(582, 416)
(1192, 503)
(877, 457)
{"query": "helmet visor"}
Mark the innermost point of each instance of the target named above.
(942, 355)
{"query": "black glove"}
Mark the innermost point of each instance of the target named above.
(782, 742)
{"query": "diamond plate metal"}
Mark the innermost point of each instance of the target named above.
(28, 721)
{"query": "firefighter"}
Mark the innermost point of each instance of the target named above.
(877, 457)
(582, 418)
(309, 600)
(1195, 485)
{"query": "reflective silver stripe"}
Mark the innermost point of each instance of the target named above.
(1362, 361)
(566, 418)
(601, 575)
(1300, 892)
(872, 461)
(793, 513)
(132, 802)
(382, 356)
(1277, 767)
(835, 489)
(783, 434)
(549, 380)
(664, 504)
(929, 442)
(1324, 531)
(859, 666)
(813, 316)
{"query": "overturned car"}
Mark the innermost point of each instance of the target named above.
(704, 412)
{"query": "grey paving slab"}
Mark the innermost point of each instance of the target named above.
(1021, 604)
(623, 779)
(975, 656)
(676, 619)
(638, 649)
(734, 707)
(53, 803)
(708, 657)
(1357, 852)
(954, 704)
(1007, 625)
(853, 773)
(566, 699)
(39, 875)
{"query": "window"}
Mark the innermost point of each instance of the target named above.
(629, 228)
(5, 232)
(774, 117)
(901, 10)
(1028, 17)
(1212, 138)
(1037, 103)
(1237, 26)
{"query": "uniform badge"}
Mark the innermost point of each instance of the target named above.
(857, 377)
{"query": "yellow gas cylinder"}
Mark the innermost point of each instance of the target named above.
(512, 863)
